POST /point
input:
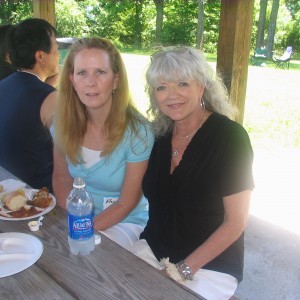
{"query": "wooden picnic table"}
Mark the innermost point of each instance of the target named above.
(109, 272)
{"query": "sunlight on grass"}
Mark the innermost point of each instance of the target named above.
(272, 111)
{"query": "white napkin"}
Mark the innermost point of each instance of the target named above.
(15, 246)
(11, 185)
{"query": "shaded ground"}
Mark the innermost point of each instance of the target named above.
(272, 239)
(272, 257)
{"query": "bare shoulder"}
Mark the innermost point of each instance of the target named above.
(48, 109)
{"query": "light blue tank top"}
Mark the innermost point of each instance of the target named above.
(104, 179)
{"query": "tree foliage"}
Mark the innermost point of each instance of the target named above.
(72, 24)
(12, 12)
(136, 23)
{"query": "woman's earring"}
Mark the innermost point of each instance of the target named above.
(202, 104)
(113, 91)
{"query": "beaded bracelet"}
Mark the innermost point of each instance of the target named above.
(184, 270)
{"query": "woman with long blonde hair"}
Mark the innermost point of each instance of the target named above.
(100, 136)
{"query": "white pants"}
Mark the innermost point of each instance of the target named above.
(124, 234)
(209, 284)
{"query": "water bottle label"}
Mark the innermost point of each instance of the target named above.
(81, 227)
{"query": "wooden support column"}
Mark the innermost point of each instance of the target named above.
(44, 9)
(234, 49)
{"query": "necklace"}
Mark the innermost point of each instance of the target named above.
(186, 136)
(176, 152)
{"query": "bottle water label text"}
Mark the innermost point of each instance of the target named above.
(81, 227)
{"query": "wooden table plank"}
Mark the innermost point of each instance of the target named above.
(33, 283)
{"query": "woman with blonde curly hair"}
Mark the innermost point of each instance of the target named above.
(199, 177)
(101, 137)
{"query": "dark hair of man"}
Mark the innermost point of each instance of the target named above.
(4, 30)
(26, 38)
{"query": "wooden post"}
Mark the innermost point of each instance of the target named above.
(234, 49)
(44, 9)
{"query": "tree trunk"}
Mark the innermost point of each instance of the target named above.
(272, 27)
(159, 4)
(138, 24)
(200, 30)
(260, 38)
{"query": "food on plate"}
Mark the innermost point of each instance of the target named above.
(25, 203)
(1, 188)
(14, 200)
(24, 212)
(41, 198)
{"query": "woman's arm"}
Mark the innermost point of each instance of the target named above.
(61, 180)
(48, 109)
(235, 220)
(131, 193)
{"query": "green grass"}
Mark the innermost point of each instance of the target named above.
(294, 64)
(272, 109)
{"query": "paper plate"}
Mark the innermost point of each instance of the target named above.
(17, 262)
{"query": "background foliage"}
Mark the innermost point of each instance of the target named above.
(132, 24)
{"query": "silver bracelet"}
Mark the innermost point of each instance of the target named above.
(184, 270)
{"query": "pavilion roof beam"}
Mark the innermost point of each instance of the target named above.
(44, 9)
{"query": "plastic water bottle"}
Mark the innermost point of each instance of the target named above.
(80, 206)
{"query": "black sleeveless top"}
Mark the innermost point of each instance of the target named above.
(26, 144)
